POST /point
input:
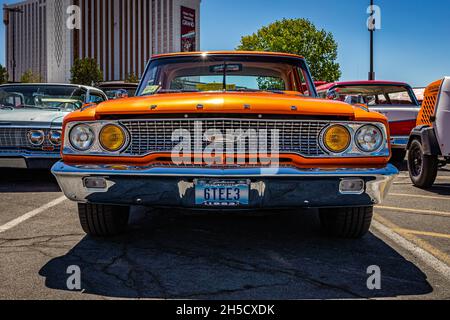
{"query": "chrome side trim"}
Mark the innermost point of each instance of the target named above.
(399, 142)
(26, 155)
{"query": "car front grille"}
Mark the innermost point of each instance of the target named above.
(13, 139)
(155, 136)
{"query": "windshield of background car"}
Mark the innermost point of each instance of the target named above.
(43, 97)
(212, 73)
(375, 95)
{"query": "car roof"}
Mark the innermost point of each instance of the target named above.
(52, 84)
(255, 53)
(360, 82)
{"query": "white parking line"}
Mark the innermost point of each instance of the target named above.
(419, 196)
(416, 211)
(31, 214)
(417, 251)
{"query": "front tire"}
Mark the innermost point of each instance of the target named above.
(350, 223)
(422, 168)
(103, 220)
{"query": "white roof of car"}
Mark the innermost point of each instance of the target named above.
(53, 84)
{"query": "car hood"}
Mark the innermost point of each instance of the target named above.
(32, 117)
(225, 102)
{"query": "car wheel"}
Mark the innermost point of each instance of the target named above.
(103, 220)
(398, 156)
(422, 168)
(351, 223)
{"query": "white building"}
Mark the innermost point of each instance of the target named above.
(120, 34)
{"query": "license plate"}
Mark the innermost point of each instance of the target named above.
(222, 193)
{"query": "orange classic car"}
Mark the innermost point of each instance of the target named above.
(226, 131)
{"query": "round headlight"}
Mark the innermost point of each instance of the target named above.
(112, 137)
(82, 137)
(55, 137)
(337, 138)
(36, 137)
(369, 138)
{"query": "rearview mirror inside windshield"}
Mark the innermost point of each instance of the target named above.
(229, 68)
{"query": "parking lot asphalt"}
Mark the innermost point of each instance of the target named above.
(171, 255)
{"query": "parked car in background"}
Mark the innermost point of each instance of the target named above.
(31, 118)
(396, 100)
(118, 89)
(429, 144)
(419, 92)
(285, 148)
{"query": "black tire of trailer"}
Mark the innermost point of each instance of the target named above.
(99, 220)
(429, 164)
(349, 223)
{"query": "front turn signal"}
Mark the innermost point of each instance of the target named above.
(337, 139)
(112, 137)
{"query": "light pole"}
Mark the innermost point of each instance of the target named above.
(7, 13)
(371, 30)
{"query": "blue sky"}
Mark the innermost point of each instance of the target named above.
(413, 44)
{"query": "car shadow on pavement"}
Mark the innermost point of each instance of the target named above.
(166, 255)
(25, 180)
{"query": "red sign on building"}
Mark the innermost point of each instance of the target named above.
(188, 31)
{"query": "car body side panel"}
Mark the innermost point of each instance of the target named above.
(442, 123)
(402, 119)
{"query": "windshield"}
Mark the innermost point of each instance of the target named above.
(63, 98)
(211, 73)
(374, 95)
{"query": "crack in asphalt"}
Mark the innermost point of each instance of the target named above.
(225, 291)
(46, 237)
(258, 269)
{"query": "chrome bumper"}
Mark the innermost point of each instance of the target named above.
(399, 142)
(24, 160)
(175, 186)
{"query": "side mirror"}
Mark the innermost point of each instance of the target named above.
(332, 95)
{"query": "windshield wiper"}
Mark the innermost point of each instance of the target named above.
(30, 106)
(177, 90)
(163, 91)
(256, 90)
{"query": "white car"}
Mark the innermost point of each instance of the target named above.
(396, 100)
(31, 118)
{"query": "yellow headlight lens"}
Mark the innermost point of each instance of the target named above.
(112, 137)
(337, 139)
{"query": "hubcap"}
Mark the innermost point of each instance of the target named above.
(417, 161)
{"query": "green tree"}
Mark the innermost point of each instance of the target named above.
(86, 71)
(298, 36)
(3, 75)
(131, 78)
(30, 77)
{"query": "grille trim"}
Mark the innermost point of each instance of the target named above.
(16, 139)
(150, 136)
